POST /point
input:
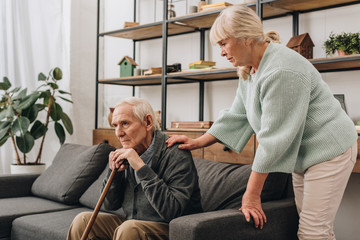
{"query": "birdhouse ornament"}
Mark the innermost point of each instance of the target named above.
(127, 65)
(302, 44)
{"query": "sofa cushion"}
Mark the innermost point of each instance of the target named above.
(54, 225)
(92, 194)
(222, 185)
(72, 171)
(12, 208)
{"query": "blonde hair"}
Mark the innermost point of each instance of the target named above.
(141, 108)
(240, 22)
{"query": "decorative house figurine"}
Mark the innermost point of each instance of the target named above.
(127, 65)
(302, 44)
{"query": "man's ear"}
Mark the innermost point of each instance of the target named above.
(148, 121)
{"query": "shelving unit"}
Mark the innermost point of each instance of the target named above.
(201, 22)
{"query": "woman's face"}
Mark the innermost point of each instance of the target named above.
(236, 51)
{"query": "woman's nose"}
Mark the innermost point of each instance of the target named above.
(222, 53)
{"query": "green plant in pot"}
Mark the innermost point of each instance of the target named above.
(19, 115)
(344, 43)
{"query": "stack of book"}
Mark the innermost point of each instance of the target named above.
(201, 65)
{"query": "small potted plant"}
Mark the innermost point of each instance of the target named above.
(19, 113)
(344, 44)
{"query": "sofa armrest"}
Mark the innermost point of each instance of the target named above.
(16, 185)
(282, 223)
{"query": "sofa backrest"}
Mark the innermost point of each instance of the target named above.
(222, 185)
(74, 168)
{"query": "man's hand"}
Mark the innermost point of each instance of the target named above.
(117, 158)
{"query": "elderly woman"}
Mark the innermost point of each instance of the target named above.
(300, 126)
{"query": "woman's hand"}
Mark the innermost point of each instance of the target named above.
(251, 206)
(191, 144)
(188, 143)
(119, 156)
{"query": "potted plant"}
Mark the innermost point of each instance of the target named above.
(19, 113)
(344, 44)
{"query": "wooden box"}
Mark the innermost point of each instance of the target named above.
(191, 125)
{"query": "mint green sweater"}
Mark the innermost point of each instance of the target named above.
(296, 119)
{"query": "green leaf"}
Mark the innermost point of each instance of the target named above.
(64, 92)
(67, 100)
(3, 114)
(60, 132)
(67, 123)
(55, 112)
(10, 112)
(5, 85)
(40, 107)
(38, 130)
(41, 77)
(53, 85)
(15, 90)
(4, 128)
(21, 95)
(29, 100)
(4, 139)
(57, 73)
(31, 113)
(20, 126)
(25, 142)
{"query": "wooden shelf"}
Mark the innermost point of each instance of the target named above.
(307, 5)
(351, 62)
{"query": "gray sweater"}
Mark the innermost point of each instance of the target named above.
(167, 189)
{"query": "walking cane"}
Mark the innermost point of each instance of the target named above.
(99, 203)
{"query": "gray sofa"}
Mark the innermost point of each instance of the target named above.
(42, 207)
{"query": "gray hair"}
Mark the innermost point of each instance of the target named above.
(141, 108)
(240, 22)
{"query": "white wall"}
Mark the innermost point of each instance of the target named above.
(183, 98)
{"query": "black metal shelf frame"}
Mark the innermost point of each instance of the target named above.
(190, 77)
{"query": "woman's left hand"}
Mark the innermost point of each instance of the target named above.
(251, 206)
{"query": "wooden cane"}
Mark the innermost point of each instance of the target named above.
(98, 205)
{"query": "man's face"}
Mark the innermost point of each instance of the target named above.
(129, 129)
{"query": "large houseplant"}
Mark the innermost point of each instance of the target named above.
(19, 115)
(348, 43)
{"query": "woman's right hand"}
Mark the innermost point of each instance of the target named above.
(187, 143)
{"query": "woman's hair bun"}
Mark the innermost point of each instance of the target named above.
(272, 36)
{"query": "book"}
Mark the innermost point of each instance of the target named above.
(199, 66)
(202, 62)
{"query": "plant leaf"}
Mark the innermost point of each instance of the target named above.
(29, 100)
(25, 142)
(31, 113)
(67, 123)
(5, 85)
(4, 129)
(57, 73)
(38, 130)
(53, 85)
(67, 100)
(10, 112)
(4, 139)
(21, 95)
(20, 126)
(41, 77)
(3, 114)
(56, 111)
(60, 132)
(64, 92)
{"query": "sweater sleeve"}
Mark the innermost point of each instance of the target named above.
(284, 97)
(232, 127)
(170, 195)
(115, 195)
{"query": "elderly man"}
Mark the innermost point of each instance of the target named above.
(156, 185)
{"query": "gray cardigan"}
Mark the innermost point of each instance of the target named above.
(168, 188)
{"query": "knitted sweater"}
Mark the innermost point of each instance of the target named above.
(296, 119)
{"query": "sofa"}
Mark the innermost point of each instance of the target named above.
(42, 207)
